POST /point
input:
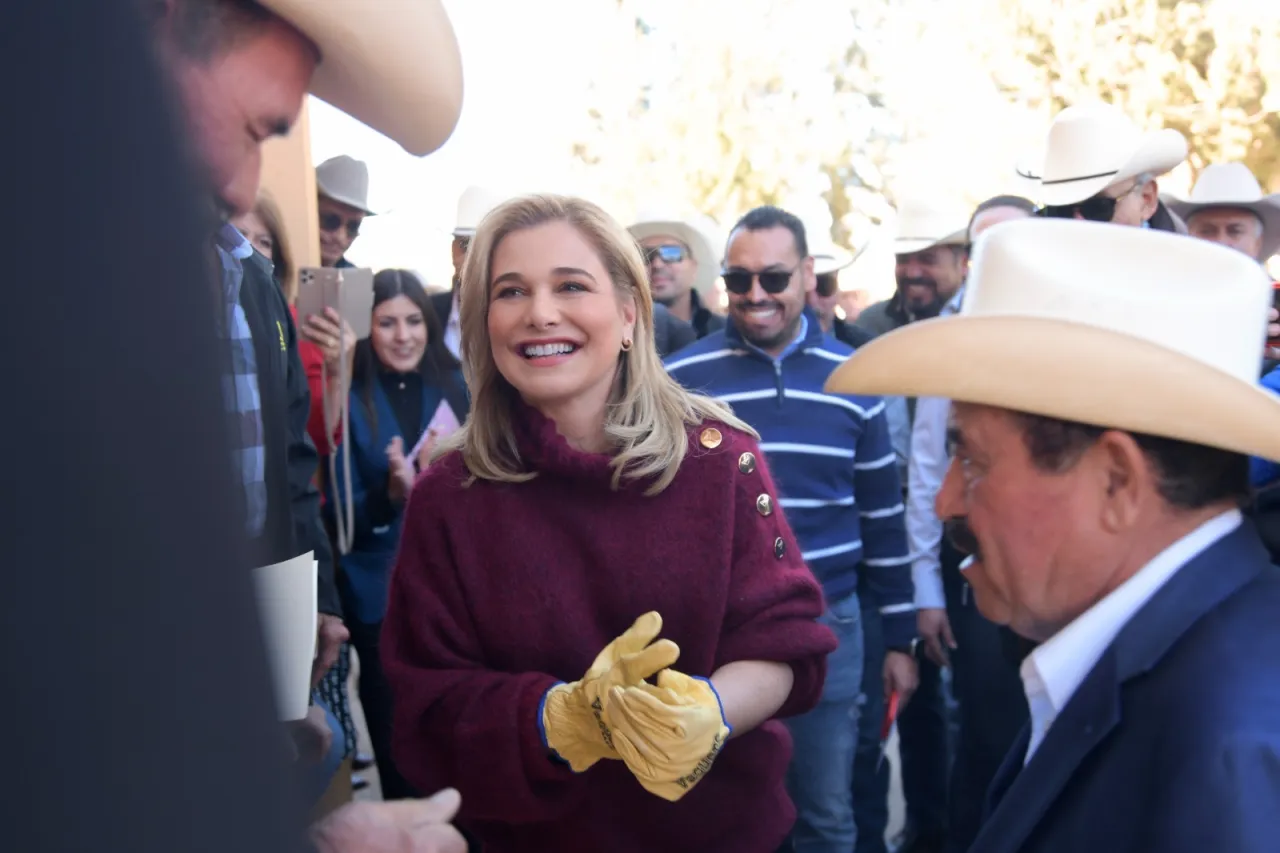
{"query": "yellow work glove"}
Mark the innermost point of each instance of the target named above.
(668, 735)
(573, 719)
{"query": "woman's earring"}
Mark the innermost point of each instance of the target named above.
(626, 344)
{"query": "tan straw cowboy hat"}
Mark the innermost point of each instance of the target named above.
(1232, 185)
(1127, 328)
(1094, 146)
(392, 64)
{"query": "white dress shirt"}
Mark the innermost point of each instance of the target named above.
(927, 463)
(453, 329)
(1055, 670)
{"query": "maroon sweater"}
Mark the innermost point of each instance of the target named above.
(502, 590)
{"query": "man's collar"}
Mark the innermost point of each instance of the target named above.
(233, 242)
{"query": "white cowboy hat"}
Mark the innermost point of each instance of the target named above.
(1232, 185)
(474, 204)
(693, 232)
(394, 66)
(922, 224)
(345, 180)
(827, 256)
(1094, 146)
(1126, 328)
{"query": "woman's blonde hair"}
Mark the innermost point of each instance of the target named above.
(649, 413)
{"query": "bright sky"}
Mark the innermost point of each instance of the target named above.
(513, 135)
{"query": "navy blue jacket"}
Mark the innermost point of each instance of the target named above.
(830, 455)
(366, 571)
(1172, 743)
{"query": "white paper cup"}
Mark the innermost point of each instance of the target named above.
(287, 607)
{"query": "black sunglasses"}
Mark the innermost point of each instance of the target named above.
(1099, 208)
(771, 281)
(668, 253)
(333, 221)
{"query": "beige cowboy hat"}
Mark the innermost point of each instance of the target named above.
(394, 66)
(474, 204)
(1115, 327)
(694, 232)
(1094, 146)
(1232, 185)
(345, 180)
(922, 224)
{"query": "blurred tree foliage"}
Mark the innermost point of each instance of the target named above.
(1208, 68)
(721, 105)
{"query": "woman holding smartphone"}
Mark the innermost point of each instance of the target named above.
(406, 393)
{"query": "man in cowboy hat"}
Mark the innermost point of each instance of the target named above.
(1101, 436)
(828, 260)
(342, 190)
(1099, 166)
(473, 205)
(682, 268)
(930, 248)
(982, 656)
(240, 70)
(1227, 206)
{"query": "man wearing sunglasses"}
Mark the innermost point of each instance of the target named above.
(1098, 166)
(342, 188)
(838, 477)
(682, 269)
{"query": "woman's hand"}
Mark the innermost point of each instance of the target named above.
(401, 475)
(428, 447)
(333, 335)
(668, 735)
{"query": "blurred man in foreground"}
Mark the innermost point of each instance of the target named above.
(241, 70)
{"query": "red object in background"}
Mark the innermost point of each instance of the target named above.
(886, 725)
(1275, 303)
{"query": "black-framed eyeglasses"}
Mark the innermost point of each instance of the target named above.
(331, 222)
(668, 253)
(771, 281)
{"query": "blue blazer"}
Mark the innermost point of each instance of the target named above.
(1172, 743)
(366, 571)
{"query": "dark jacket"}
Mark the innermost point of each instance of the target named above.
(670, 333)
(443, 303)
(366, 569)
(293, 524)
(1172, 742)
(705, 321)
(850, 334)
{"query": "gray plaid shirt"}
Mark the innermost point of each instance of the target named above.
(240, 385)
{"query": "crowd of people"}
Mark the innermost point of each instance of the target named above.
(622, 571)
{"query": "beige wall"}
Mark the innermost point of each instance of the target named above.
(289, 176)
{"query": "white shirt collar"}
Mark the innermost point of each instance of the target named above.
(1055, 670)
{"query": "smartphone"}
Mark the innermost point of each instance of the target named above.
(347, 290)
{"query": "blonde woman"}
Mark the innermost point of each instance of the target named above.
(593, 525)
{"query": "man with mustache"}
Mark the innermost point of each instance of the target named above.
(930, 249)
(838, 477)
(1100, 458)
